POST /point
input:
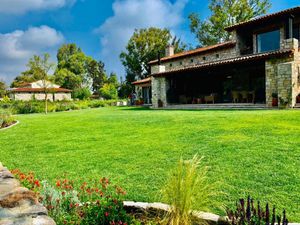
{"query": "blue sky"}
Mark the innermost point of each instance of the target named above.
(100, 27)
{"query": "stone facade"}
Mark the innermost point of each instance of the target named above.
(197, 59)
(282, 76)
(159, 92)
(18, 205)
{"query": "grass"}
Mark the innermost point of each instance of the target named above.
(248, 152)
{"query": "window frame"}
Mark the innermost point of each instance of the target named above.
(258, 42)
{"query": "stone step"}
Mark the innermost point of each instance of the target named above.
(297, 106)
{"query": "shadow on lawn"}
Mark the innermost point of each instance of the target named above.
(141, 108)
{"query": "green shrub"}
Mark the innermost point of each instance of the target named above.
(109, 91)
(21, 107)
(82, 93)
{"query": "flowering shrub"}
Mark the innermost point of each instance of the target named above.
(98, 202)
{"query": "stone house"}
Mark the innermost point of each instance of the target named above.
(36, 91)
(260, 64)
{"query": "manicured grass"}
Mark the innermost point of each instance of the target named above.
(248, 152)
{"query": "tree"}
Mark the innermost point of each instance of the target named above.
(109, 91)
(2, 89)
(71, 69)
(27, 76)
(82, 93)
(97, 74)
(144, 46)
(40, 66)
(225, 13)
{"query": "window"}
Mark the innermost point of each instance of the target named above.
(171, 64)
(192, 60)
(296, 32)
(268, 41)
(204, 58)
(180, 63)
(217, 56)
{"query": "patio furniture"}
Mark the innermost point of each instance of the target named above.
(235, 96)
(210, 98)
(252, 94)
(245, 96)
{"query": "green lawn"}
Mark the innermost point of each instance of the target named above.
(256, 152)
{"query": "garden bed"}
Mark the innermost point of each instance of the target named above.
(10, 125)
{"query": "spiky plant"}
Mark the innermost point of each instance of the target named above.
(186, 187)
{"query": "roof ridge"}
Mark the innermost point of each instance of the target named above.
(231, 27)
(195, 51)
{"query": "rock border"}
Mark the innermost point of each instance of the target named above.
(161, 208)
(15, 124)
(18, 205)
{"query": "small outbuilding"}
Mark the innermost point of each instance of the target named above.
(36, 91)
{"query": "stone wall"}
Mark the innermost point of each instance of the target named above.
(41, 96)
(282, 76)
(197, 59)
(18, 205)
(159, 91)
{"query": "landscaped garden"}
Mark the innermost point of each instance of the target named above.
(248, 152)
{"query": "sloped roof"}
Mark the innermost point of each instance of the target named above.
(143, 81)
(55, 90)
(246, 58)
(228, 44)
(267, 17)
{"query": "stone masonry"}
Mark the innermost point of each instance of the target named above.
(282, 76)
(18, 205)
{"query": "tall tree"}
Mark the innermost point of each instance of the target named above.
(2, 89)
(97, 74)
(225, 13)
(71, 69)
(144, 46)
(40, 66)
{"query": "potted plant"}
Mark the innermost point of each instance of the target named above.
(274, 99)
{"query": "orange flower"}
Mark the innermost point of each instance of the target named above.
(58, 183)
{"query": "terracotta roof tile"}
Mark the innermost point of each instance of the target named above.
(229, 61)
(197, 51)
(56, 90)
(143, 81)
(263, 18)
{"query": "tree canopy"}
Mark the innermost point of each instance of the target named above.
(144, 46)
(225, 13)
(75, 70)
(2, 89)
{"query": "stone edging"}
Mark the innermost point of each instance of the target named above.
(18, 205)
(210, 218)
(16, 123)
(157, 207)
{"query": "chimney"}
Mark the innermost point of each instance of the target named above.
(170, 50)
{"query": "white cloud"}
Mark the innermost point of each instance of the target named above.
(22, 6)
(135, 14)
(18, 46)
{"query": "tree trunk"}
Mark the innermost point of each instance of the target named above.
(46, 103)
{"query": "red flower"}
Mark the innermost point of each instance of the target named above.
(71, 205)
(106, 214)
(37, 183)
(63, 193)
(58, 183)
